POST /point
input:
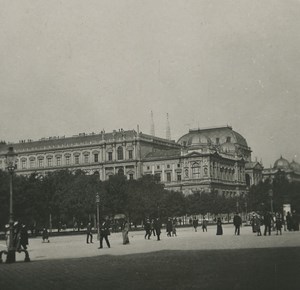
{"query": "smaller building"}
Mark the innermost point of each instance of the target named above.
(281, 165)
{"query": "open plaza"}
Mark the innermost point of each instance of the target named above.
(191, 260)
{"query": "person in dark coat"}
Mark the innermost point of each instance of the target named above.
(147, 227)
(204, 224)
(278, 223)
(237, 221)
(157, 227)
(295, 221)
(267, 223)
(89, 233)
(23, 237)
(45, 235)
(195, 223)
(152, 227)
(219, 227)
(169, 227)
(253, 223)
(257, 224)
(289, 221)
(104, 233)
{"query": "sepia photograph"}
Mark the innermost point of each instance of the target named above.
(149, 144)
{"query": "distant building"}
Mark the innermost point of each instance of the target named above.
(216, 160)
(290, 170)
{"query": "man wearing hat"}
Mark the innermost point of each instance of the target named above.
(237, 221)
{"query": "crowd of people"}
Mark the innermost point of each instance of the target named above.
(275, 222)
(153, 227)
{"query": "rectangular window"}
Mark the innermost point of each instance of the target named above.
(23, 164)
(178, 165)
(49, 162)
(228, 139)
(130, 176)
(110, 156)
(168, 176)
(76, 160)
(67, 160)
(58, 161)
(158, 167)
(96, 156)
(130, 155)
(179, 177)
(148, 167)
(31, 163)
(40, 162)
(168, 166)
(158, 177)
(86, 159)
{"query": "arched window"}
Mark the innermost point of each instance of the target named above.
(120, 153)
(196, 170)
(121, 171)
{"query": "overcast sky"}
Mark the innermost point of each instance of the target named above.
(71, 66)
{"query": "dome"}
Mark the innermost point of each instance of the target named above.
(213, 135)
(282, 163)
(228, 147)
(295, 166)
(198, 140)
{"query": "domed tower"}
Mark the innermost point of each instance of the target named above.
(281, 164)
(295, 166)
(223, 139)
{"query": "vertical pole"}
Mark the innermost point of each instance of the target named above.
(272, 205)
(98, 221)
(11, 255)
(50, 222)
(98, 215)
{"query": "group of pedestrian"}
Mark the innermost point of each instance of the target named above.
(152, 227)
(20, 236)
(171, 227)
(268, 221)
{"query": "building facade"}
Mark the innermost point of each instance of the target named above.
(118, 152)
(291, 170)
(214, 160)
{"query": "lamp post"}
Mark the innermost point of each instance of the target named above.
(271, 196)
(237, 202)
(98, 215)
(10, 159)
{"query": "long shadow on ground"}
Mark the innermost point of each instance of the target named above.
(276, 268)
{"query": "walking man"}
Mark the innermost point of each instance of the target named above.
(89, 233)
(147, 227)
(237, 221)
(267, 223)
(157, 227)
(204, 224)
(104, 233)
(195, 223)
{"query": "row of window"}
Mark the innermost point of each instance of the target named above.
(228, 140)
(168, 166)
(67, 159)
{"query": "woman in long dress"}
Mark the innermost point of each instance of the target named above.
(219, 227)
(125, 232)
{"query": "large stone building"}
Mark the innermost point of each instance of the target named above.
(210, 160)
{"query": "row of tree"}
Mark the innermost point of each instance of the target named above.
(67, 197)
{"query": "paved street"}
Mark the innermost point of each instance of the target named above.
(63, 247)
(180, 262)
